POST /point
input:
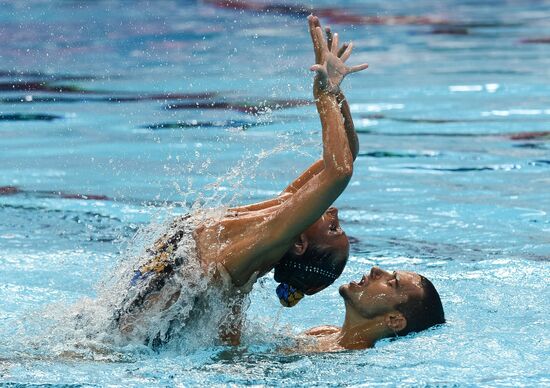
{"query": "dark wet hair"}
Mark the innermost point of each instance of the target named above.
(311, 272)
(424, 312)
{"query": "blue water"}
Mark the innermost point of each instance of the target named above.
(452, 179)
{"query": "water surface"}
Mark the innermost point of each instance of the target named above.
(113, 117)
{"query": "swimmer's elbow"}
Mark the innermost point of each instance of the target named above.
(340, 171)
(347, 170)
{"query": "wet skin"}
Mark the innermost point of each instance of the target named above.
(250, 240)
(326, 232)
(380, 291)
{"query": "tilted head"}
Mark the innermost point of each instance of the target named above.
(407, 301)
(317, 257)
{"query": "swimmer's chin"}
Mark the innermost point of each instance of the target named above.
(343, 290)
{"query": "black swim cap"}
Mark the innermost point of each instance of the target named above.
(311, 272)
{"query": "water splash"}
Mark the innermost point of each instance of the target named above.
(89, 329)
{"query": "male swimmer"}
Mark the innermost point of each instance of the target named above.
(381, 304)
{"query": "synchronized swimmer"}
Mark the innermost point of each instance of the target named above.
(297, 234)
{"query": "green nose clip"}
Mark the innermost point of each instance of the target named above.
(288, 295)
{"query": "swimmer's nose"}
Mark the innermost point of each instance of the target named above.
(376, 272)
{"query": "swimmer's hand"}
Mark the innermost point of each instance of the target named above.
(228, 281)
(329, 59)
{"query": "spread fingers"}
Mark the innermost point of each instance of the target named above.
(313, 23)
(347, 52)
(357, 68)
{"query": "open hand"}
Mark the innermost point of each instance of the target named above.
(329, 59)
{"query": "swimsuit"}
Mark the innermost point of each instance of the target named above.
(163, 286)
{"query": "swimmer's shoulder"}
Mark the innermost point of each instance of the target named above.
(320, 339)
(322, 330)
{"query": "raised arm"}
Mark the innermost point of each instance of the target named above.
(262, 244)
(353, 140)
(318, 166)
(343, 53)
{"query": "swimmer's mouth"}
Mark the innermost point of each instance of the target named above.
(364, 281)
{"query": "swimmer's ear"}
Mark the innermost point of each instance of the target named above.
(300, 245)
(395, 321)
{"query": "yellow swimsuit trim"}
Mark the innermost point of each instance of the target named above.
(161, 260)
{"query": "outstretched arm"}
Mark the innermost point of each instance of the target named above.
(353, 140)
(343, 53)
(261, 245)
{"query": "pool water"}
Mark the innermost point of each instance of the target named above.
(116, 117)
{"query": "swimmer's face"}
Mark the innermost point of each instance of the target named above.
(379, 291)
(327, 233)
